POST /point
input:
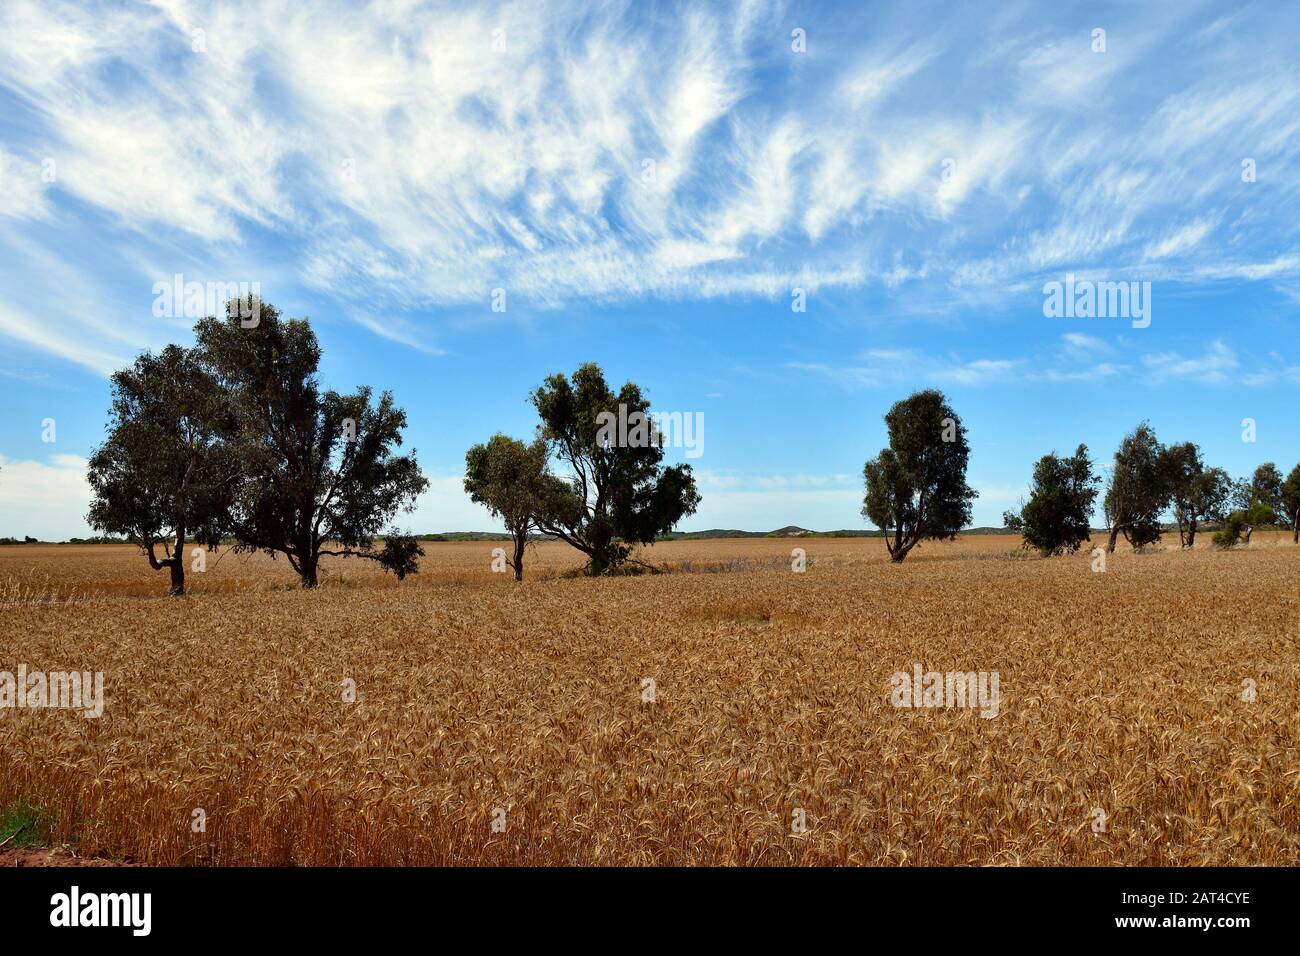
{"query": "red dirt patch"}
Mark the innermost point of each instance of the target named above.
(51, 856)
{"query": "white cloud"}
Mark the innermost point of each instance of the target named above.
(32, 332)
(1079, 345)
(993, 494)
(891, 367)
(1076, 362)
(47, 499)
(979, 371)
(1188, 237)
(397, 330)
(403, 163)
(22, 190)
(446, 507)
(1069, 69)
(1216, 366)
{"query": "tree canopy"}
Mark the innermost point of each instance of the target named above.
(618, 493)
(1290, 501)
(1196, 493)
(1138, 492)
(317, 470)
(512, 481)
(1057, 517)
(164, 475)
(916, 488)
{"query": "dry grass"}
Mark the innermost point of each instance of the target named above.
(1121, 691)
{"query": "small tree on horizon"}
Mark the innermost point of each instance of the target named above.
(1196, 493)
(1258, 499)
(1290, 501)
(916, 487)
(1229, 535)
(511, 480)
(1057, 517)
(1138, 492)
(619, 493)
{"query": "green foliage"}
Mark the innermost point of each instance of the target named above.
(1257, 501)
(916, 488)
(1139, 489)
(1264, 488)
(1290, 502)
(1056, 519)
(23, 825)
(401, 555)
(508, 477)
(1260, 514)
(163, 476)
(618, 493)
(1241, 524)
(1230, 534)
(512, 481)
(236, 437)
(1196, 493)
(315, 467)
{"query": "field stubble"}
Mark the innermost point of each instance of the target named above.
(1121, 692)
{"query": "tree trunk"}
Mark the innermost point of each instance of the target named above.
(603, 556)
(178, 576)
(1191, 536)
(178, 562)
(1249, 531)
(521, 540)
(308, 571)
(900, 549)
(175, 564)
(1114, 539)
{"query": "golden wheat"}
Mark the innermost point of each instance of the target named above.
(1121, 692)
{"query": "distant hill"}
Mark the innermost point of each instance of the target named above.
(465, 536)
(789, 531)
(794, 531)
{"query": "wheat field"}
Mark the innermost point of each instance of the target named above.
(731, 711)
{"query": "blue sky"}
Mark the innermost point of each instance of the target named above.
(649, 184)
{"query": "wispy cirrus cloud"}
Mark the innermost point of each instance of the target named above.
(1216, 366)
(892, 367)
(729, 481)
(408, 160)
(1079, 358)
